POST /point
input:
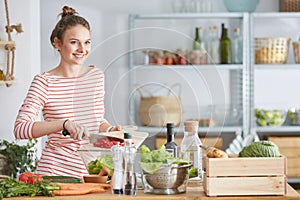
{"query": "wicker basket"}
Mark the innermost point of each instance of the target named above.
(271, 50)
(289, 5)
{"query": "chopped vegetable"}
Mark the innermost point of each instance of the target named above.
(62, 179)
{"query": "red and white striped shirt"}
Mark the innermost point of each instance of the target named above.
(80, 99)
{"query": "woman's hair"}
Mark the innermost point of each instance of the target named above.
(69, 18)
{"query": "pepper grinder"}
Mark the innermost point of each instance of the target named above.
(117, 179)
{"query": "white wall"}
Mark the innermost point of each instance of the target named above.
(27, 62)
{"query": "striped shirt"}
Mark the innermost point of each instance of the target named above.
(80, 99)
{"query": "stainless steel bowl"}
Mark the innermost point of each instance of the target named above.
(169, 179)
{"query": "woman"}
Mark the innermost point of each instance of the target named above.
(71, 97)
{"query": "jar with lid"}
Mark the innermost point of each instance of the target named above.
(190, 147)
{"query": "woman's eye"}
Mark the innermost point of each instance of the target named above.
(73, 42)
(88, 42)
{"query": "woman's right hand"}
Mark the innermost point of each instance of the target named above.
(77, 131)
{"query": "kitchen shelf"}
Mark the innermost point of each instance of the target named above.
(275, 129)
(201, 130)
(188, 67)
(275, 66)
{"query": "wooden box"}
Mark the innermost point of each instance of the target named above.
(244, 176)
(289, 146)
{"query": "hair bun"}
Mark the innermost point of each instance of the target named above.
(68, 11)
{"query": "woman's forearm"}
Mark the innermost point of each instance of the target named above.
(40, 129)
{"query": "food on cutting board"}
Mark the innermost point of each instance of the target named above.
(263, 148)
(213, 152)
(108, 142)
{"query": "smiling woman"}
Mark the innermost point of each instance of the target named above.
(71, 97)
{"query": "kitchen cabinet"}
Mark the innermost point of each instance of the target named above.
(224, 86)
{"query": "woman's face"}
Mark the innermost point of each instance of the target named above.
(75, 45)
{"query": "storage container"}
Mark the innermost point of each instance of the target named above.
(244, 176)
(289, 5)
(271, 50)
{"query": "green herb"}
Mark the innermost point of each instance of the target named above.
(19, 158)
(10, 187)
(95, 166)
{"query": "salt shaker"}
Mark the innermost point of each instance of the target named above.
(129, 177)
(117, 180)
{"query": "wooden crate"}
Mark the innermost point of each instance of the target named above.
(289, 146)
(244, 176)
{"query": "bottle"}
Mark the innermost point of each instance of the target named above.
(203, 45)
(129, 177)
(213, 45)
(117, 178)
(190, 147)
(237, 47)
(171, 146)
(197, 40)
(225, 47)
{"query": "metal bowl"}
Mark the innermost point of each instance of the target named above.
(169, 179)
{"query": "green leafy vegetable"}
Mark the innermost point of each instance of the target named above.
(262, 148)
(151, 161)
(95, 166)
(10, 187)
(193, 172)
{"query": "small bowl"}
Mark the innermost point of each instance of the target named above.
(95, 179)
(270, 117)
(241, 5)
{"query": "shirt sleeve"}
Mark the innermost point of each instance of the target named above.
(32, 105)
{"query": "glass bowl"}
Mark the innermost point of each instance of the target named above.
(270, 117)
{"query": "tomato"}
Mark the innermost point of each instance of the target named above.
(29, 177)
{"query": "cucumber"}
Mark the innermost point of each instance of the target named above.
(62, 179)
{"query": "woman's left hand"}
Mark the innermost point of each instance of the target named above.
(115, 128)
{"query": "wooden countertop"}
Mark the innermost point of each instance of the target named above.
(193, 193)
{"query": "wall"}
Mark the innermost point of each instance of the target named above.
(27, 61)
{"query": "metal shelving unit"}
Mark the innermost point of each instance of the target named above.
(255, 68)
(240, 73)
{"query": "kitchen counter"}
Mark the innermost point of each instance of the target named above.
(193, 193)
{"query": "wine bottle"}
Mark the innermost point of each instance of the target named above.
(225, 47)
(197, 40)
(171, 146)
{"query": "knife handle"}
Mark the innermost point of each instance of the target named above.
(65, 132)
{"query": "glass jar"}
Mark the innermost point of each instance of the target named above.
(190, 147)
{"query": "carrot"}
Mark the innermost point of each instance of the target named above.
(80, 191)
(75, 186)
